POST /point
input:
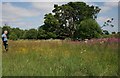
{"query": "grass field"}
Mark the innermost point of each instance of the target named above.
(61, 58)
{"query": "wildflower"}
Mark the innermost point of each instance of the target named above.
(86, 40)
(101, 42)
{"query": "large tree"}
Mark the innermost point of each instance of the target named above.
(68, 16)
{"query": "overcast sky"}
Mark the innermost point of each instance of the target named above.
(30, 14)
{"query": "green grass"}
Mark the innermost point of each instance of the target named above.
(60, 58)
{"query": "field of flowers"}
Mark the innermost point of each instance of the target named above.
(96, 57)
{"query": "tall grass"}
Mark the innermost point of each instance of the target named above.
(60, 58)
(0, 58)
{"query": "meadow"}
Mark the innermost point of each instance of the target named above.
(61, 58)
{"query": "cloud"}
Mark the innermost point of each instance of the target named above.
(18, 11)
(44, 6)
(13, 14)
(47, 7)
(22, 16)
(92, 3)
(112, 4)
(107, 6)
(102, 19)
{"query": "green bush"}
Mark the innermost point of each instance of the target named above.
(41, 34)
(13, 36)
(51, 35)
(31, 34)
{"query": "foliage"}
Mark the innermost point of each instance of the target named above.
(41, 34)
(71, 14)
(31, 34)
(13, 36)
(88, 29)
(51, 35)
(8, 28)
(18, 32)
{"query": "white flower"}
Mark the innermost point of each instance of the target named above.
(85, 41)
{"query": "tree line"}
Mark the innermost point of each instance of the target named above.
(74, 20)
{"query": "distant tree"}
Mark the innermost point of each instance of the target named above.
(51, 35)
(24, 34)
(13, 36)
(21, 34)
(118, 32)
(113, 32)
(18, 32)
(31, 34)
(8, 28)
(41, 34)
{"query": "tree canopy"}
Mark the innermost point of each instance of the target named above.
(66, 18)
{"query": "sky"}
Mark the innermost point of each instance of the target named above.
(30, 14)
